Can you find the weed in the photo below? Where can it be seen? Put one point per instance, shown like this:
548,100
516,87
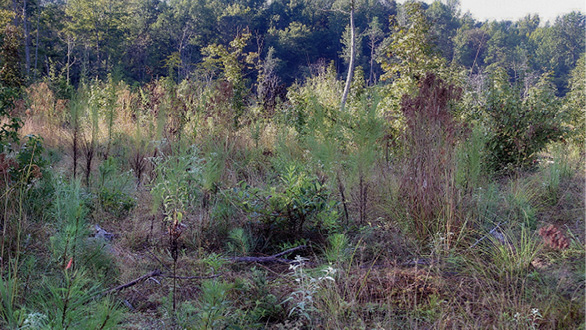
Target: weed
303,298
337,249
429,194
214,307
239,242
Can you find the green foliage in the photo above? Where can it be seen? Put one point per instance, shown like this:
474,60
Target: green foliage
470,159
520,204
114,193
302,300
10,124
177,184
12,316
11,75
408,54
511,260
30,158
520,127
69,209
337,250
575,103
239,242
265,305
315,104
555,172
232,61
300,204
213,306
71,302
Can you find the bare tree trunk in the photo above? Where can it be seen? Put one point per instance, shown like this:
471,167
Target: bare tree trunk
352,58
37,41
27,41
371,75
69,49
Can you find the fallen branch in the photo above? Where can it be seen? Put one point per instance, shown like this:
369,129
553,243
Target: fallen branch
270,259
154,273
133,282
191,277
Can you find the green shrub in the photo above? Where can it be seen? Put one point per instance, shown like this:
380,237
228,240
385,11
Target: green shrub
113,191
9,124
299,205
520,126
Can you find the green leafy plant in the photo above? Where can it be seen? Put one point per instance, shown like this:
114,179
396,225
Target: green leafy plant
72,302
176,186
69,209
12,315
10,124
337,250
302,203
113,189
520,127
303,298
213,305
239,242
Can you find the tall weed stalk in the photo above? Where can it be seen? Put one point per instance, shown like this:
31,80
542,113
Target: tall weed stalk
428,191
176,186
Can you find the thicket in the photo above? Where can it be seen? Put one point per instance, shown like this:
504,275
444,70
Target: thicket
443,197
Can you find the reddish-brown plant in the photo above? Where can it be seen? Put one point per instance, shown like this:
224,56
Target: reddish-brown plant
554,238
427,187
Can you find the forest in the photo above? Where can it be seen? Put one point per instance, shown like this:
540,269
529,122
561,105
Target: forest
290,164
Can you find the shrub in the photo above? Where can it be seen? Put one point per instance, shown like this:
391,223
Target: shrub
113,192
301,204
520,127
9,124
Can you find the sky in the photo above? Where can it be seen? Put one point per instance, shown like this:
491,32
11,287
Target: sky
516,9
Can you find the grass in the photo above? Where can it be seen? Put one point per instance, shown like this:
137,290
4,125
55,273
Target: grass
489,269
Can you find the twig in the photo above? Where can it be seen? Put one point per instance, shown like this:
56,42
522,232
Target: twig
289,251
154,273
191,277
157,259
133,282
276,273
270,259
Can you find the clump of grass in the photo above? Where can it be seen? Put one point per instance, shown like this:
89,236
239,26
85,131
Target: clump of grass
555,172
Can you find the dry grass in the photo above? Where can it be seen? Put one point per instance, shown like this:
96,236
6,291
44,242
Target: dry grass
514,284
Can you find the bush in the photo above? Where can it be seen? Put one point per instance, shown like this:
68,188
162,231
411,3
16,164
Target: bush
300,205
520,126
9,124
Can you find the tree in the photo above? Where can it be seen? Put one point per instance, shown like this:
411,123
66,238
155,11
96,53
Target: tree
409,53
232,61
445,23
558,47
374,34
575,103
99,24
352,57
470,47
10,58
519,126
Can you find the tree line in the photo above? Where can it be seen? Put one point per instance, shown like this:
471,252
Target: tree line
139,40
